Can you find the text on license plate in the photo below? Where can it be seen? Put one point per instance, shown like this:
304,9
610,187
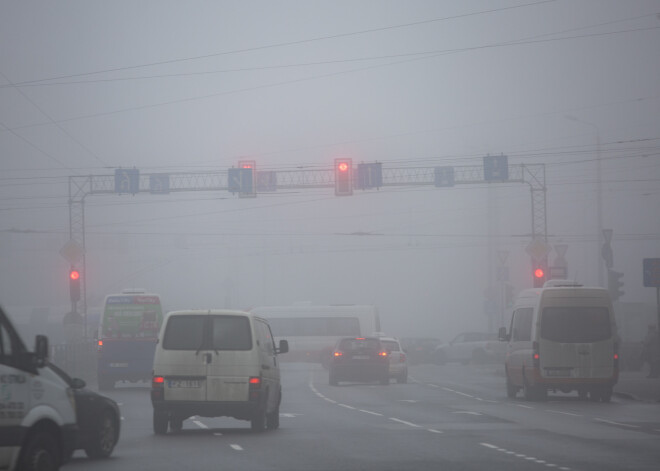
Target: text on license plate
184,383
118,365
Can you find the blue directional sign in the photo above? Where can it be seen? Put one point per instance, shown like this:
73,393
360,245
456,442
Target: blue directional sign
127,180
159,183
239,180
652,272
496,168
369,175
444,176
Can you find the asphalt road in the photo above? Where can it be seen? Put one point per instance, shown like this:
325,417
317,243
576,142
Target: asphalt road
447,417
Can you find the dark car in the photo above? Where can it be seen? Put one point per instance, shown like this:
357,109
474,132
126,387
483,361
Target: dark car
360,359
97,417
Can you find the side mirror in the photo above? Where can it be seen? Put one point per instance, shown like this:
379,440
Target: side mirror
41,350
284,346
502,335
77,383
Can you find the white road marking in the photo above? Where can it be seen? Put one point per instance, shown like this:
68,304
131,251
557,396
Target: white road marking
432,430
370,412
412,401
562,412
524,407
199,424
410,424
469,412
217,434
236,447
346,406
616,423
524,457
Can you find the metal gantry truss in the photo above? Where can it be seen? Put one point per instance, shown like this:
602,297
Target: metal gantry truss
82,186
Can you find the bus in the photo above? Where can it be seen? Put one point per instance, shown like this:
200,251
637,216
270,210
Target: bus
128,333
313,330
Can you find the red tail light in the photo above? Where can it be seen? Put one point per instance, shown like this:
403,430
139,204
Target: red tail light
100,344
157,382
254,389
536,356
403,357
337,354
382,353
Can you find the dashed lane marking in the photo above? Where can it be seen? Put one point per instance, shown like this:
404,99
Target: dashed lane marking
236,447
611,422
410,424
525,457
370,412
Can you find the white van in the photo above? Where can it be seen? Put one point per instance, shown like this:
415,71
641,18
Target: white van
215,363
37,407
562,337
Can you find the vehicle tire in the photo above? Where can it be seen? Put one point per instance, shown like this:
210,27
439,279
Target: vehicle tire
594,395
104,436
176,424
106,384
583,394
606,395
385,379
40,453
258,422
161,421
273,419
511,390
531,393
403,378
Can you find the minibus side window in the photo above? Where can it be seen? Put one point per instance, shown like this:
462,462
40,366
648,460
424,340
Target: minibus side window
522,324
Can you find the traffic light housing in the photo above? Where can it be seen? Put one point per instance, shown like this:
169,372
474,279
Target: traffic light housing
539,276
343,177
74,285
614,284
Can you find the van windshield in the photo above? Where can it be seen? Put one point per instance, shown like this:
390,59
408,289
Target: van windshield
575,324
207,333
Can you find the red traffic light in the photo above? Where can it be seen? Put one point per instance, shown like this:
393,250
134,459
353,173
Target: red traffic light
343,166
74,275
539,273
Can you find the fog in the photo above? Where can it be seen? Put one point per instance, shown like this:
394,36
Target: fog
164,87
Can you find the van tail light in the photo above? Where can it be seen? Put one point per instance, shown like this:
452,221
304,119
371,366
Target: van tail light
616,355
382,353
100,344
254,388
536,357
157,388
402,357
337,353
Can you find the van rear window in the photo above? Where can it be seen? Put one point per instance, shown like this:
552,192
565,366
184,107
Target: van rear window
575,324
207,333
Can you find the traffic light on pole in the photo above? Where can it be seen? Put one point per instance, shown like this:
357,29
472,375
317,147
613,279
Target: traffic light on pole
74,285
343,177
614,284
539,276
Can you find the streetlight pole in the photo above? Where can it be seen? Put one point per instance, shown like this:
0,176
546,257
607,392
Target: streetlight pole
599,200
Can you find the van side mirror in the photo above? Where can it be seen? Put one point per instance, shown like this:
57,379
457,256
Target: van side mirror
284,346
41,350
77,383
502,335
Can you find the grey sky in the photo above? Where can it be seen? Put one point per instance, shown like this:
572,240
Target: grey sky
89,86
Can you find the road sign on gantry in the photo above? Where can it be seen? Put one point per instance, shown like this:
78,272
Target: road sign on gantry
651,272
496,168
444,176
127,180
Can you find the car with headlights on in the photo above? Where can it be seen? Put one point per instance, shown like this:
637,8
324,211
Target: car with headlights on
359,359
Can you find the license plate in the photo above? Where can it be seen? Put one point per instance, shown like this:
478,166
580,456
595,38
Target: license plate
361,357
184,383
118,365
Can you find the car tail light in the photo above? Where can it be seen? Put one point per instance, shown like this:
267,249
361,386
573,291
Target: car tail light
100,344
382,353
536,356
403,357
254,388
157,388
337,353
